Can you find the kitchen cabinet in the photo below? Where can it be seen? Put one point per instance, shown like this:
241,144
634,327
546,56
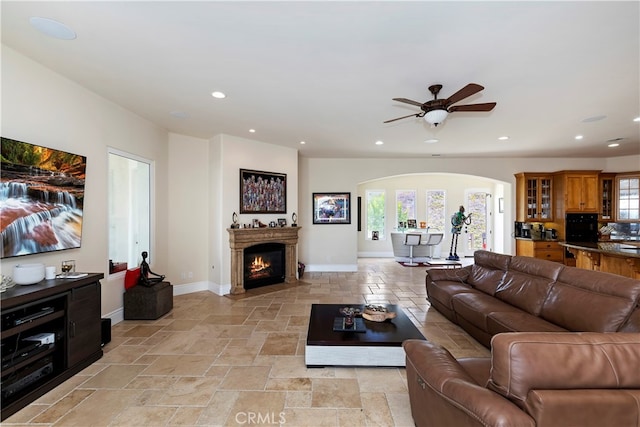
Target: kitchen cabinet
607,197
534,197
577,191
542,249
50,331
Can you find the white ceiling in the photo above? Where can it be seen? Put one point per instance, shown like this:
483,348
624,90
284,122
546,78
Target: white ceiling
326,72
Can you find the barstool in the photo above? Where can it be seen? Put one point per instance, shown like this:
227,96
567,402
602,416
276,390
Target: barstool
433,239
412,240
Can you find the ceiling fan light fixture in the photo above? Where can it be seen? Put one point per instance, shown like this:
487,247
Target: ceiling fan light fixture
436,117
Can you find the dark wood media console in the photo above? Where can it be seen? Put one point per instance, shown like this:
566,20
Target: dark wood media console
50,332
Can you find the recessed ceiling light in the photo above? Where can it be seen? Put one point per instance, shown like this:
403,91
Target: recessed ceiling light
52,28
302,142
615,144
179,114
431,141
503,138
579,137
379,143
637,119
218,95
252,130
594,119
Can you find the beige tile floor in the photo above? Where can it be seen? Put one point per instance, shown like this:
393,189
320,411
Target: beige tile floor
218,361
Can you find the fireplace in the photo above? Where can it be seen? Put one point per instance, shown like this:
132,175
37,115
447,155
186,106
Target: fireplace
264,265
244,238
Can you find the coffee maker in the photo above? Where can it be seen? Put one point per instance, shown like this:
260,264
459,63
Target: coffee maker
522,229
517,229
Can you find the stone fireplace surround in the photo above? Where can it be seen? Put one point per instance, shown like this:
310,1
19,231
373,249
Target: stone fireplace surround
241,238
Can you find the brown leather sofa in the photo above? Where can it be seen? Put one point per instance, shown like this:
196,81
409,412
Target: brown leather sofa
531,379
502,293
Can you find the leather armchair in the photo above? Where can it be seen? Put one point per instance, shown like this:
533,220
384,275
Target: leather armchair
531,379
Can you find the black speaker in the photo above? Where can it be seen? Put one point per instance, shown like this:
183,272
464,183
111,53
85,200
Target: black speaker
106,331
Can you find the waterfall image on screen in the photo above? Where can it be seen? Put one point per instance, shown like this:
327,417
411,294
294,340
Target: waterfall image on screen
41,199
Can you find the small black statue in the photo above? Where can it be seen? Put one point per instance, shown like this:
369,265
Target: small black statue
145,271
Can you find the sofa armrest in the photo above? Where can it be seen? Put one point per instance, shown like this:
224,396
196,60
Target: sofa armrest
525,361
584,407
442,393
452,274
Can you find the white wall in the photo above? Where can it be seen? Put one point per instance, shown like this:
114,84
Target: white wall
41,107
189,216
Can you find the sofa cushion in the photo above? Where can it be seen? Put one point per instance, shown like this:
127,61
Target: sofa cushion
443,290
526,361
527,283
488,270
500,321
610,299
476,307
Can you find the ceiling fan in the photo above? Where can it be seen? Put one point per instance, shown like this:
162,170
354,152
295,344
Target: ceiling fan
436,110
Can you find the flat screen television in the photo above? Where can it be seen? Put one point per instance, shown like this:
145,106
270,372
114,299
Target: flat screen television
41,199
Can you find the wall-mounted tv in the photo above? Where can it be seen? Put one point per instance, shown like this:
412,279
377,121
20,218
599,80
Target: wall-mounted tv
41,199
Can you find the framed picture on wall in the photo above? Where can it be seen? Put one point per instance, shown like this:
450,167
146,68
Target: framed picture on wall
262,192
332,208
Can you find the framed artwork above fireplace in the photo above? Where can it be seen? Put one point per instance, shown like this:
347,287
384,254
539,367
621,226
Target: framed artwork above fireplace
262,192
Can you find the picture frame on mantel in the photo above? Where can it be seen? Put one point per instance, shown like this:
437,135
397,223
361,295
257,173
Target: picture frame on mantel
332,208
262,192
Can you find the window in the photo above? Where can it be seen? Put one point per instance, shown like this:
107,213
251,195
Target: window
375,213
405,205
628,198
436,212
477,229
129,210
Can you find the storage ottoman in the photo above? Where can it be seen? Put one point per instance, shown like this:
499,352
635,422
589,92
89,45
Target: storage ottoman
148,303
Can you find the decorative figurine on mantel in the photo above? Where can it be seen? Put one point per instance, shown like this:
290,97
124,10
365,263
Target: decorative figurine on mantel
145,271
294,220
234,218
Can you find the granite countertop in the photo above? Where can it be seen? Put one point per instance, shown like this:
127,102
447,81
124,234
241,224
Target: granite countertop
610,248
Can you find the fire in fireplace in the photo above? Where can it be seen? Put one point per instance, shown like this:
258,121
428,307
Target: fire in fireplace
264,264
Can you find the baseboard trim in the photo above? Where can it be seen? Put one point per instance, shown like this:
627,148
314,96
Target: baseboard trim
375,254
325,268
116,316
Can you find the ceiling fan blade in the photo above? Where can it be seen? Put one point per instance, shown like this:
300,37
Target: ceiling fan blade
404,117
473,107
468,90
408,101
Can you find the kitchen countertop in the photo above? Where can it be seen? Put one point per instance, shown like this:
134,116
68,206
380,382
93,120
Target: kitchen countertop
625,250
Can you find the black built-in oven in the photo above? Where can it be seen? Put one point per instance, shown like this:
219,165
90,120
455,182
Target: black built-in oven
581,227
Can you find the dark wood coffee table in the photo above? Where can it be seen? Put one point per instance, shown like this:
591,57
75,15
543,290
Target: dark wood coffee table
379,345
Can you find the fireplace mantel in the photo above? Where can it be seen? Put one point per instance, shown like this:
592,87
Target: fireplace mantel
241,238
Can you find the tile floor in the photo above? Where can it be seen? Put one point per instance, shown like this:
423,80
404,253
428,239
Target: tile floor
218,361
